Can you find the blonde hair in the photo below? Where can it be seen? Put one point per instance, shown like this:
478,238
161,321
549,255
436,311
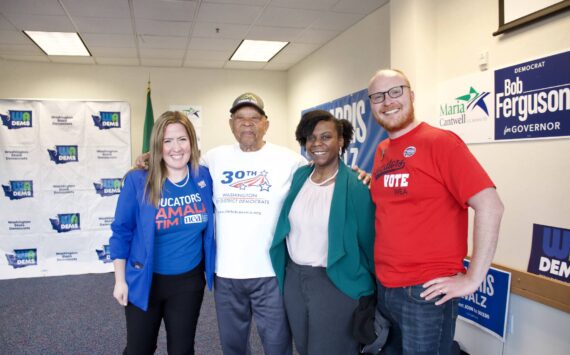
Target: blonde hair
157,173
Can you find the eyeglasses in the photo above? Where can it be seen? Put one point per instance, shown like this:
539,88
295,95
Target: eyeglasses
380,96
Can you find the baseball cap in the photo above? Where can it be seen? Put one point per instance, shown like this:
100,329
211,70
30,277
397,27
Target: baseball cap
248,99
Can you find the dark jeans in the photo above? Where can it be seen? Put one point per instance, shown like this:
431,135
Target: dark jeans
177,300
419,327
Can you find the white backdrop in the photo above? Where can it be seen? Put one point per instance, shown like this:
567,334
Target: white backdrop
61,165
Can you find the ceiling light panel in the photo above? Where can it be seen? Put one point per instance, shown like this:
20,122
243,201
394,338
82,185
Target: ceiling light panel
59,43
257,51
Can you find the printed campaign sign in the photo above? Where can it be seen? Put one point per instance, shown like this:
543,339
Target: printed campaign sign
466,107
355,107
550,252
487,307
61,166
532,99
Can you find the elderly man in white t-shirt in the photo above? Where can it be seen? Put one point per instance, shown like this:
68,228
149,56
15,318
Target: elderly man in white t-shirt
251,179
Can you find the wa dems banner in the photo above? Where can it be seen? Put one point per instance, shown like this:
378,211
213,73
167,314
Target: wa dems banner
488,307
367,133
532,99
550,253
61,166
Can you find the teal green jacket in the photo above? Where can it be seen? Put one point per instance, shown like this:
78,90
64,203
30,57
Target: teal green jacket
351,233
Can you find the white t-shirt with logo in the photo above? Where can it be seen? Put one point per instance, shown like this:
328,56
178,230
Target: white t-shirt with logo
249,190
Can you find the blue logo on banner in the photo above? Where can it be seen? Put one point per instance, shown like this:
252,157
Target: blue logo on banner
19,189
367,133
107,120
487,307
66,222
64,154
108,187
532,99
17,119
550,253
104,254
22,258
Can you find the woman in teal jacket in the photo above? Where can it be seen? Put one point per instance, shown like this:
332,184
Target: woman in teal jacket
163,240
322,251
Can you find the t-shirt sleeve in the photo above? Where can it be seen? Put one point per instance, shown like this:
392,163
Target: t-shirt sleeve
462,174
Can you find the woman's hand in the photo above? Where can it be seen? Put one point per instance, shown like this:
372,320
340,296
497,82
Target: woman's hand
121,290
121,293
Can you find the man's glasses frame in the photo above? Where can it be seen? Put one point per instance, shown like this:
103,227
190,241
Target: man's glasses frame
380,96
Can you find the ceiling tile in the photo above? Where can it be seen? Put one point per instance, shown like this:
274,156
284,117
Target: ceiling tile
214,44
25,58
165,28
205,64
103,25
162,53
13,37
25,49
148,41
164,10
317,36
71,59
359,7
228,13
108,40
227,30
294,52
117,61
245,65
282,17
336,21
5,25
266,33
241,2
98,8
42,23
153,62
124,52
31,7
304,4
200,55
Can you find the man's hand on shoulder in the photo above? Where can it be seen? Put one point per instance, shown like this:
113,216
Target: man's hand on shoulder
141,161
363,175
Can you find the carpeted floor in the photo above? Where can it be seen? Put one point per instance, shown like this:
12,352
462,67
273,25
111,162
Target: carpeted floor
78,315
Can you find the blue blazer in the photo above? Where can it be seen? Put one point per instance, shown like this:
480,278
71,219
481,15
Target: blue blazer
133,233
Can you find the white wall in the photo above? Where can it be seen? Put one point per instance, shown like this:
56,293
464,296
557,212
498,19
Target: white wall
433,41
214,90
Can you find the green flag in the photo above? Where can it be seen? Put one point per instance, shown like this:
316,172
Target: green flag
148,122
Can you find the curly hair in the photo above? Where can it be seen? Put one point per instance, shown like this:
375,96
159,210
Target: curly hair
309,121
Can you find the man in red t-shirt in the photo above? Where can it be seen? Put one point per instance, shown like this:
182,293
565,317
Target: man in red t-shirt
424,180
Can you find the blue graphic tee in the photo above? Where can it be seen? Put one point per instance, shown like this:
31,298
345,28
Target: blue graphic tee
180,220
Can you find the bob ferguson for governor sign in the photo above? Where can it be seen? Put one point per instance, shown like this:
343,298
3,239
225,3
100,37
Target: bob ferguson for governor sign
532,99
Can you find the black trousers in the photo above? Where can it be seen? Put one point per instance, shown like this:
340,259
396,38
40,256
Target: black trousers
176,299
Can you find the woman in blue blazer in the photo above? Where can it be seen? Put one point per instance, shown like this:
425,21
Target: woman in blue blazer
163,240
323,244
